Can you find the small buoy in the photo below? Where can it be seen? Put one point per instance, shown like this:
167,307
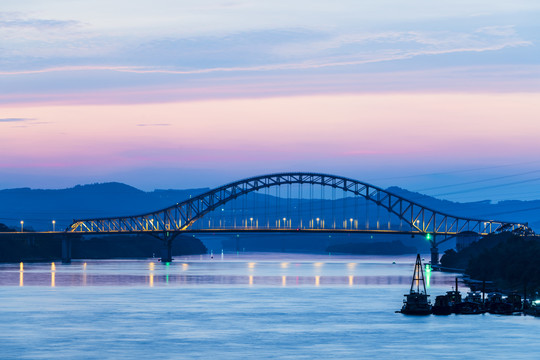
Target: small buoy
393,263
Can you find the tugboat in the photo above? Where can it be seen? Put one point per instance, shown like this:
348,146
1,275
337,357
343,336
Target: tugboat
446,304
472,304
532,308
416,301
498,305
442,305
514,299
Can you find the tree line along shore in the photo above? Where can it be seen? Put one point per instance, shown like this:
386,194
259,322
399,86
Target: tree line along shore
48,247
509,261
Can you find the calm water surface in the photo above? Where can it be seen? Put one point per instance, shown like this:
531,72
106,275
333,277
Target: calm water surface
248,306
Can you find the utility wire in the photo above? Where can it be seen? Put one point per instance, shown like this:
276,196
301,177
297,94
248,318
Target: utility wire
489,187
478,181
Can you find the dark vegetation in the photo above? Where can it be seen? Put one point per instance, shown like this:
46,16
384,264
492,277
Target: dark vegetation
323,243
28,246
133,246
372,248
511,261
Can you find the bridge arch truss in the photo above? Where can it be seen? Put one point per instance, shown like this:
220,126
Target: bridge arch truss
183,215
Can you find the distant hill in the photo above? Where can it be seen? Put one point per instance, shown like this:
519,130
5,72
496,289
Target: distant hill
510,210
37,208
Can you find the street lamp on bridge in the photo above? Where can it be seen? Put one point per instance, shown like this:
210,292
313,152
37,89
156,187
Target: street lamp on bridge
22,224
53,223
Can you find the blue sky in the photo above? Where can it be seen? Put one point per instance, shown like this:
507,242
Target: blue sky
121,90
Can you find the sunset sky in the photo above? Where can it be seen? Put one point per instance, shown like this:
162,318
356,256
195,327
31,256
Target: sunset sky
438,97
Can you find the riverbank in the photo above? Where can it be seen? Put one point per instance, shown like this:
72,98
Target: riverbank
509,261
35,247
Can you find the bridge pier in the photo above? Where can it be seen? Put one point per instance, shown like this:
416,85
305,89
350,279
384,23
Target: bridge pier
167,257
66,250
434,254
168,240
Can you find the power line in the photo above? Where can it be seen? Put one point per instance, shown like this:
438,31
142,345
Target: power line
489,187
478,181
457,171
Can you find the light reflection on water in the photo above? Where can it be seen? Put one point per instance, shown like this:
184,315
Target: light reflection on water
248,307
251,269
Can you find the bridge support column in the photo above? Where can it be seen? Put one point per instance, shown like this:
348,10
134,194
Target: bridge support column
66,250
168,240
434,254
167,256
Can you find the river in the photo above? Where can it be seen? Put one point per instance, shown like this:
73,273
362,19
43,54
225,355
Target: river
246,306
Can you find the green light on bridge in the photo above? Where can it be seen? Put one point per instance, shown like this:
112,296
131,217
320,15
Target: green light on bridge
429,237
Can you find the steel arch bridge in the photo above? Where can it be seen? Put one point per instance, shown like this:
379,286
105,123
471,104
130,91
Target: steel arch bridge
183,216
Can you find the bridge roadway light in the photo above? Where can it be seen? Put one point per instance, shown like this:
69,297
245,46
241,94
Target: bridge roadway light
251,222
22,224
351,222
317,222
284,222
53,223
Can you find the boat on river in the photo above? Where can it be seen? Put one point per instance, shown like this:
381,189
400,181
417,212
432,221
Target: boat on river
417,300
532,308
497,304
472,304
446,304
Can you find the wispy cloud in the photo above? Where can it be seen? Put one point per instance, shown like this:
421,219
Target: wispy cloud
40,24
390,55
18,21
15,120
